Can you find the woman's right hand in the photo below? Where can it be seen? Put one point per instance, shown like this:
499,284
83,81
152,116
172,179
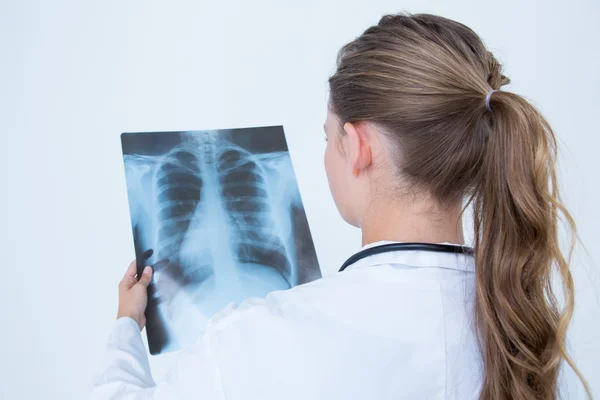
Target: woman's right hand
133,294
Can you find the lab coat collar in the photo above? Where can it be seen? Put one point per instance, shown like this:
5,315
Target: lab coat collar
416,258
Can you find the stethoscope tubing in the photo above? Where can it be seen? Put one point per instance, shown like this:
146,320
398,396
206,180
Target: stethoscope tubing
390,247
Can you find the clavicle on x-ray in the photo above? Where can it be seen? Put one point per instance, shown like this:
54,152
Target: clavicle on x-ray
220,216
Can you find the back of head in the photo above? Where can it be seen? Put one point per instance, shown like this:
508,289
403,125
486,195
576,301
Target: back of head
429,83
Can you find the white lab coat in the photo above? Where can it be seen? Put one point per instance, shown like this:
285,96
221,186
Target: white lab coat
395,325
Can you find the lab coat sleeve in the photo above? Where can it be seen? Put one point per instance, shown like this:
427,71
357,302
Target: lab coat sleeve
125,371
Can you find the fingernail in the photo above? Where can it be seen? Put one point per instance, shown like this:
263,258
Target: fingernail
147,270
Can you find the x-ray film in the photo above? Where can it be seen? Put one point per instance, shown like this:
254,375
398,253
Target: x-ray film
219,216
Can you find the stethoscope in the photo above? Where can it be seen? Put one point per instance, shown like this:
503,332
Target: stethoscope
385,248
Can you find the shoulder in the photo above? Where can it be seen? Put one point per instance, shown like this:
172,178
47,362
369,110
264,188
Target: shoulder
278,304
352,296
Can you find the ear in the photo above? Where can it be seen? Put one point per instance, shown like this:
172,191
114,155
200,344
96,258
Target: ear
359,149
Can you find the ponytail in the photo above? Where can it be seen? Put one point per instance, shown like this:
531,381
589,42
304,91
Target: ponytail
517,208
424,79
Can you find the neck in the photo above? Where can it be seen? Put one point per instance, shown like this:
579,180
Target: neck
418,221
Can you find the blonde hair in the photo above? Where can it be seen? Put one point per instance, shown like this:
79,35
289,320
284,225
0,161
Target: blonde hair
425,79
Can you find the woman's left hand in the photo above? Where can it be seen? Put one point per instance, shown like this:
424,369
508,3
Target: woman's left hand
133,294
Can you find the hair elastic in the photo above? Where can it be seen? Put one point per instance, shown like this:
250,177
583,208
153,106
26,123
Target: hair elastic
487,99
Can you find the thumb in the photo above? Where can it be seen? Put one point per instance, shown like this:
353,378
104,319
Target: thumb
146,277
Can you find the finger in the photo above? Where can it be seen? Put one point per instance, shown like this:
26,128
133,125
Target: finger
161,264
131,270
146,277
129,278
147,254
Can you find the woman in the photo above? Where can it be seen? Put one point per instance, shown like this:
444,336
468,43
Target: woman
416,125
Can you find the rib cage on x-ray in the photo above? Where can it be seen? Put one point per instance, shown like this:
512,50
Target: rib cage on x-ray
223,224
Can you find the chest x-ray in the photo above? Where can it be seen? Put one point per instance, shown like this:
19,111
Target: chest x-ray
219,216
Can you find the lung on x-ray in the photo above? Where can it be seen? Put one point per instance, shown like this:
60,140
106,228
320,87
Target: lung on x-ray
219,216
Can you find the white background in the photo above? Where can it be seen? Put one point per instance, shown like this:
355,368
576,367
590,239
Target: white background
75,74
